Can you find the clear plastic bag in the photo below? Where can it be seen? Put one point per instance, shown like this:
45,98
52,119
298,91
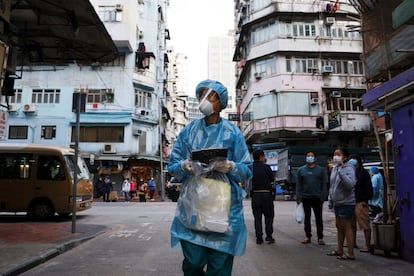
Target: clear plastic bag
299,213
206,199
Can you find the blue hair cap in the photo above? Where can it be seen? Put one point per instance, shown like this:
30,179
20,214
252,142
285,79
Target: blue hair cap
218,87
374,169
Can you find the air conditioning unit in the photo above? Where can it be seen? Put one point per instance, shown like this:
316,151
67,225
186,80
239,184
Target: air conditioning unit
119,7
336,94
142,112
314,101
312,70
329,20
258,75
29,108
137,132
12,108
109,148
327,69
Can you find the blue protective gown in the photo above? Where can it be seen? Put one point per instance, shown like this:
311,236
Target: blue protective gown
198,135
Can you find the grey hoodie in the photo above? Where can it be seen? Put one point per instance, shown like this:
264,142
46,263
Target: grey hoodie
342,189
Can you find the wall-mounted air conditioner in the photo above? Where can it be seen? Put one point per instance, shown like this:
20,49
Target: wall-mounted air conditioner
12,108
136,132
336,94
329,20
258,75
142,112
29,108
312,70
314,101
109,148
327,69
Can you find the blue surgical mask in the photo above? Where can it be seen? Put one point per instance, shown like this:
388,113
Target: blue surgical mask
353,162
310,159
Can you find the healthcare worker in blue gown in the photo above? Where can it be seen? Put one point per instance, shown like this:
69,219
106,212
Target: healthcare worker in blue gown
211,253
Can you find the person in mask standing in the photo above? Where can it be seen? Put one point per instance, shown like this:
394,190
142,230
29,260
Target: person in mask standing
363,193
311,191
262,198
342,200
211,253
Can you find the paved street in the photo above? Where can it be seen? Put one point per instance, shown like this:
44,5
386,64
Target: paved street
136,242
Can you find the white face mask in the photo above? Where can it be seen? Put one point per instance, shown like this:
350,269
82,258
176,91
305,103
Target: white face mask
205,106
337,160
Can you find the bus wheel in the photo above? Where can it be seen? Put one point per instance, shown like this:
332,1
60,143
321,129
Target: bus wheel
41,210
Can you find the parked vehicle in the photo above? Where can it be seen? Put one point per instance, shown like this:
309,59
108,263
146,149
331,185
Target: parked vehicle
39,179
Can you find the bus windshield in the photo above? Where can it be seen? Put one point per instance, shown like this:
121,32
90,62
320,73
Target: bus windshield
83,172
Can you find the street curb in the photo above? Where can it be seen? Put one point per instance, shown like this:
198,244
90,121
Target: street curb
49,254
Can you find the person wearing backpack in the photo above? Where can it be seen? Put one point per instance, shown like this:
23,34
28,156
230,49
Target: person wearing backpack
363,193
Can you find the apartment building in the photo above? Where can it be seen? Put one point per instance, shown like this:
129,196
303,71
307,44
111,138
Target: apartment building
221,67
300,78
123,115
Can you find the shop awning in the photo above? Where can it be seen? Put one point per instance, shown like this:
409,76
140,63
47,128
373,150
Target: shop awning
395,92
107,119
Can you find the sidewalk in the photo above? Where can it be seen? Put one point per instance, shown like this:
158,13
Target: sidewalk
24,245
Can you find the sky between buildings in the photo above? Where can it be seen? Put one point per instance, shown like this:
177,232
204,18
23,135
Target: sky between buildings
191,22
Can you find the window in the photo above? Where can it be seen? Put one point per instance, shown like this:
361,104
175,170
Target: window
301,29
288,65
264,33
347,101
100,96
352,67
101,134
48,132
305,65
293,103
18,132
266,67
46,96
15,166
50,168
16,99
110,13
143,99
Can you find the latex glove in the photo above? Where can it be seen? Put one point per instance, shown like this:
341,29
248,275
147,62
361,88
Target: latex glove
187,166
224,166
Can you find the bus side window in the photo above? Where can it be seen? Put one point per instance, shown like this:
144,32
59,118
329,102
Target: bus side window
14,167
50,168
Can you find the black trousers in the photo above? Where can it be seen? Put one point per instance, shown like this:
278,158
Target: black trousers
314,204
262,205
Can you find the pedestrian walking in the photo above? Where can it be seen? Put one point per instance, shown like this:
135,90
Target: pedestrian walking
142,191
107,188
151,185
209,245
311,191
262,197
